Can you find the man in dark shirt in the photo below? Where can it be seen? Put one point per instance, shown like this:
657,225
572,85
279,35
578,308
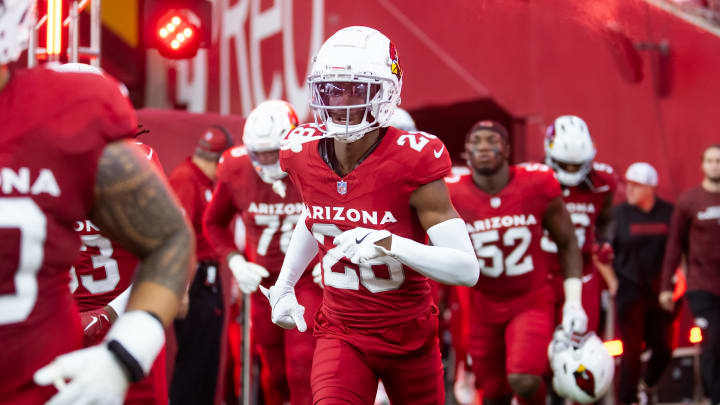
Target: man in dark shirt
640,235
199,335
695,233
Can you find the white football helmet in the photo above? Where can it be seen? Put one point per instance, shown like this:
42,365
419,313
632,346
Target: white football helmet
15,26
360,62
265,127
568,141
402,119
583,369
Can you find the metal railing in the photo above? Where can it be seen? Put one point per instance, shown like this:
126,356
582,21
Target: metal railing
72,22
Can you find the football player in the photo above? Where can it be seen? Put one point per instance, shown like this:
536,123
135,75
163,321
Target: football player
65,157
372,194
101,278
100,281
587,189
250,183
512,306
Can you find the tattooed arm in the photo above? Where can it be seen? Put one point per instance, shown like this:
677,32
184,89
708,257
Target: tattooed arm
135,207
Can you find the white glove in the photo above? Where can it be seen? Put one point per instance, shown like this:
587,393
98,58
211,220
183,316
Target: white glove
317,274
286,312
574,319
96,378
464,387
358,244
96,375
247,274
561,341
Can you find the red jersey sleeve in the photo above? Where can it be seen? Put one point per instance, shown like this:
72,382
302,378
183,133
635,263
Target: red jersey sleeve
295,148
216,220
547,182
606,176
434,161
221,209
151,155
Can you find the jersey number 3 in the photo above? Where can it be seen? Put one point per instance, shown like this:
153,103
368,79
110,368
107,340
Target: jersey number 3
103,260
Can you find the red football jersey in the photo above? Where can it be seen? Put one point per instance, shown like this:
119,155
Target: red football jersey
506,228
104,269
54,128
374,195
269,218
584,203
194,190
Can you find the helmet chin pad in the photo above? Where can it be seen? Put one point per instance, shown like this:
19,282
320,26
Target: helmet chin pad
269,173
566,178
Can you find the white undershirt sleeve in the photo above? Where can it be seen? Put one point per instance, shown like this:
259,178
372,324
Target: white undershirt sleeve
302,249
119,303
451,260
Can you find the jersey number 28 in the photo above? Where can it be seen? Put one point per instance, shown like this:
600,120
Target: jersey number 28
349,279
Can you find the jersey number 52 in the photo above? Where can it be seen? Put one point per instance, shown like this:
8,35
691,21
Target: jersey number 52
515,264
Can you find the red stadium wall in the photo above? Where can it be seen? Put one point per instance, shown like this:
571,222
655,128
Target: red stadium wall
521,61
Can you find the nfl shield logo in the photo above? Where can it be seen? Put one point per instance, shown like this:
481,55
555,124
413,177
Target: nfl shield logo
342,187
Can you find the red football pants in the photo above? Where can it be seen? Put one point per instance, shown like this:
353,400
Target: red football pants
286,355
348,363
153,389
510,337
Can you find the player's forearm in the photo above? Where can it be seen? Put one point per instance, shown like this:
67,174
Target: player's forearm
302,249
570,258
451,259
605,231
221,240
605,222
164,273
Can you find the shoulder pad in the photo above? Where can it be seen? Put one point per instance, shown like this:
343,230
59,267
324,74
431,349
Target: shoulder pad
298,137
457,173
603,167
533,167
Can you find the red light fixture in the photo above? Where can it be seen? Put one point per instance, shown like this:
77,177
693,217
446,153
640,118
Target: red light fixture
175,34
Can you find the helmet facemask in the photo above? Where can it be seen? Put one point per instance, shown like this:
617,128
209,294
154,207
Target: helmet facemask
366,98
264,129
268,172
569,178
